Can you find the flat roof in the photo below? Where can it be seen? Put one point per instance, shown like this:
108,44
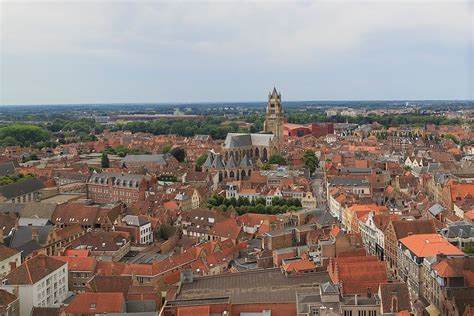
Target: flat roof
252,287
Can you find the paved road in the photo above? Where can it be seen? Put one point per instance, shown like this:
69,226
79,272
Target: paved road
319,189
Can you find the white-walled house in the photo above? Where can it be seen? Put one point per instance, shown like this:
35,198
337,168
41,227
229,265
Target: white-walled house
372,236
145,232
41,282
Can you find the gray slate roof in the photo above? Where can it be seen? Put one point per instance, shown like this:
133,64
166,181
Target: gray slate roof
160,159
7,168
231,162
436,209
39,210
20,188
236,140
209,160
119,179
460,229
134,220
245,162
346,182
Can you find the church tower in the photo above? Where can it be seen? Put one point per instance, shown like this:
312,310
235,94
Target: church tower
274,119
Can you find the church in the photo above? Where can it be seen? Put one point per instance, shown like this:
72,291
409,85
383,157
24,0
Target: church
241,150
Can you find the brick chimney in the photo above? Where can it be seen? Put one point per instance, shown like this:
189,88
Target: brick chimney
12,265
34,234
394,307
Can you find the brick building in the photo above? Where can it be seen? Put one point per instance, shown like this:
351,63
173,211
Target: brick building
113,187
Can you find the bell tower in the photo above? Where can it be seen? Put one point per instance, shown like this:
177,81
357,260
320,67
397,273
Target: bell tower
274,119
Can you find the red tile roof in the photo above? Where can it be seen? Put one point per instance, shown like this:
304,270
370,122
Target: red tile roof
96,303
83,264
427,245
194,311
33,270
76,253
357,274
299,266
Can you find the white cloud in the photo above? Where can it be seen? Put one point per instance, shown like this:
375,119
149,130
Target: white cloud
273,32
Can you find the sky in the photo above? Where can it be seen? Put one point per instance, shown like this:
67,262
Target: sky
216,51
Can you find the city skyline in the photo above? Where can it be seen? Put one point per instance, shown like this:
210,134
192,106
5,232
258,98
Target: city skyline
80,53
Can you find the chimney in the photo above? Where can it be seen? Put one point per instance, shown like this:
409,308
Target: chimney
356,300
369,291
12,265
352,239
394,307
34,234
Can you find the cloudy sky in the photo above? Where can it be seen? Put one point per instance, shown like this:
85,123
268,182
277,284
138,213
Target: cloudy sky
189,51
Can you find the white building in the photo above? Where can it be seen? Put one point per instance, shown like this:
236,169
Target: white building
372,236
41,281
145,231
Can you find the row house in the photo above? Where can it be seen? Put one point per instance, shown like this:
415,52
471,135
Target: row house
398,229
46,239
459,234
372,227
351,215
359,187
412,251
338,199
88,215
442,272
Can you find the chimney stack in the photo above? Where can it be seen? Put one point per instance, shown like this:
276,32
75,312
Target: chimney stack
394,307
12,265
34,234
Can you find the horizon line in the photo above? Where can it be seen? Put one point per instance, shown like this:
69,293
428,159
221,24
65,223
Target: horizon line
229,102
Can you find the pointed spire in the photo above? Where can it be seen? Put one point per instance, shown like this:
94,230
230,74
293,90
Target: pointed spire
218,163
245,162
231,162
275,93
209,160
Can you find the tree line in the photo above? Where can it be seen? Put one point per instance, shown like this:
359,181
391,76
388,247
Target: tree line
259,205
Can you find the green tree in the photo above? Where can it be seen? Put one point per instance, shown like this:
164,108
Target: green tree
166,149
310,160
179,154
164,232
277,160
104,161
22,134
